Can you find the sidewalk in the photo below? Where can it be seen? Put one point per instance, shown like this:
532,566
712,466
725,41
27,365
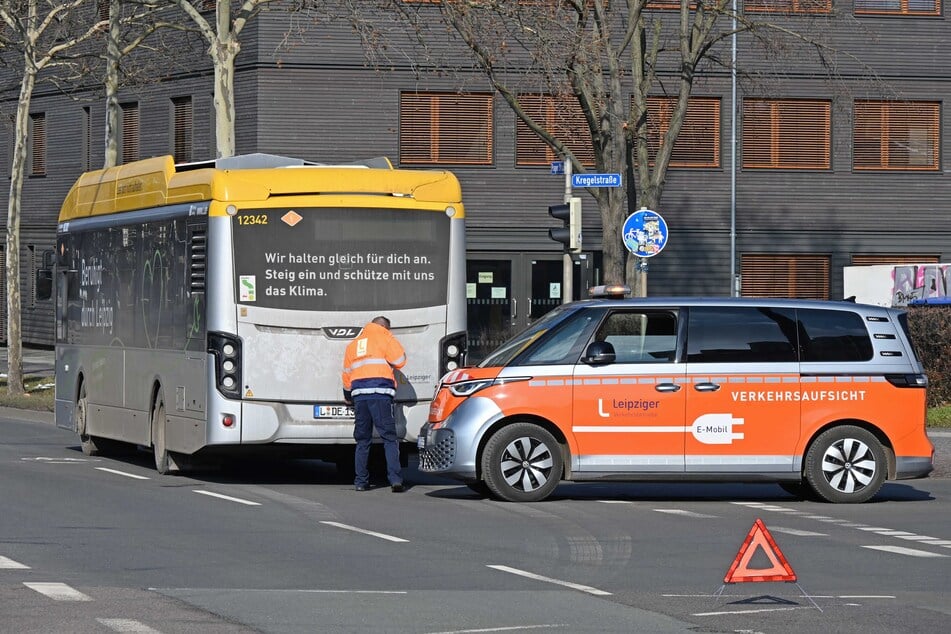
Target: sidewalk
36,361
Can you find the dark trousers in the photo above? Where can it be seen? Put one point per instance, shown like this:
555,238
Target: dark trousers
376,412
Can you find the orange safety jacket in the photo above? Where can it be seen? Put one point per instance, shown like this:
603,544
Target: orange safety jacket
369,361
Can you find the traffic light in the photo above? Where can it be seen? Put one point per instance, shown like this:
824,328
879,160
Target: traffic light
570,234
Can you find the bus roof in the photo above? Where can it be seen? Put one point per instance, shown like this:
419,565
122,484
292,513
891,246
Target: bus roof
157,181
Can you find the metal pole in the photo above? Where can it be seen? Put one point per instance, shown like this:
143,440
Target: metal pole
567,273
734,291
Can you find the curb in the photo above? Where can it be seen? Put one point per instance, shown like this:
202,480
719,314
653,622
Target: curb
37,416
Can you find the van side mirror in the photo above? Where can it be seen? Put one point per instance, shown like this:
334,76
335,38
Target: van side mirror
599,353
44,278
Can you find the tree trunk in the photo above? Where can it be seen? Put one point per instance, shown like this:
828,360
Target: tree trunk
111,133
223,54
17,171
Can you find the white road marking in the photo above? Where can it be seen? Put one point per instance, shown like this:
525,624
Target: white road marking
8,564
615,501
684,513
901,550
920,538
796,531
567,584
59,460
514,628
57,591
802,596
226,497
750,611
134,476
389,538
127,626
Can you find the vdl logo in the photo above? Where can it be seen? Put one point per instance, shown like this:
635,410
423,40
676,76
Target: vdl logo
342,332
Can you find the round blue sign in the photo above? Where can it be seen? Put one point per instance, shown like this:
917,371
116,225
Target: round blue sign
645,233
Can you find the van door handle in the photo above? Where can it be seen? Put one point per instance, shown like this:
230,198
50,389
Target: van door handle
707,387
667,387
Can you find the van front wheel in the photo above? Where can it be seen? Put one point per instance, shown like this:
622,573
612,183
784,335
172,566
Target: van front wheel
522,463
846,464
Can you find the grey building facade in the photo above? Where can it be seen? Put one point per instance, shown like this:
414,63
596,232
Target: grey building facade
794,222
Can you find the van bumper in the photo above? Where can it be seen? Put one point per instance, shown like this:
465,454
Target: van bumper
910,467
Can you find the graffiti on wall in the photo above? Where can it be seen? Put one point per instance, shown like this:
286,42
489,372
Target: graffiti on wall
920,281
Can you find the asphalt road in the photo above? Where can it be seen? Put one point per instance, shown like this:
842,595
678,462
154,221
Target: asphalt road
90,544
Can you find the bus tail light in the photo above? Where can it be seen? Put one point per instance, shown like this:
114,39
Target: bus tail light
227,352
227,420
452,353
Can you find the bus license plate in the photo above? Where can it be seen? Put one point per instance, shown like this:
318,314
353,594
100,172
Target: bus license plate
333,411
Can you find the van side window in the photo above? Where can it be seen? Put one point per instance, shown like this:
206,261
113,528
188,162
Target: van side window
741,334
641,337
833,335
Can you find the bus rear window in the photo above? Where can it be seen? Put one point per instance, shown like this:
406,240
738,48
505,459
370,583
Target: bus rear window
341,259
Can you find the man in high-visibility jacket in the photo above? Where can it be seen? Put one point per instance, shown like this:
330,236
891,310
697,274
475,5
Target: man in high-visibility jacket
369,384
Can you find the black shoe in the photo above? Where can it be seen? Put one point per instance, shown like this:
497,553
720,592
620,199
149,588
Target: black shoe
361,487
397,488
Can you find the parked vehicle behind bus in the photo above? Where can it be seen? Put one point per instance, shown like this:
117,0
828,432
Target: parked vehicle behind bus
203,308
825,398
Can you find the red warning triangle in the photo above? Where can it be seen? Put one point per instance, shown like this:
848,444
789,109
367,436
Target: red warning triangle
759,537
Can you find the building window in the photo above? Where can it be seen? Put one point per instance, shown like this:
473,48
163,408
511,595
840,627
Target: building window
182,129
130,132
787,6
698,144
38,144
897,7
668,5
446,128
562,117
787,134
795,276
87,139
896,135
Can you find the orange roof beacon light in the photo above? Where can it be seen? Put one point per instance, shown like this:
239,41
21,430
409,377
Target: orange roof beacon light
610,291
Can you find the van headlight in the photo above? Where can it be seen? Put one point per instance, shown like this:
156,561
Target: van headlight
468,388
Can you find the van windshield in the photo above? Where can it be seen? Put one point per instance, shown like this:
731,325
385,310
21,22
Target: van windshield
511,348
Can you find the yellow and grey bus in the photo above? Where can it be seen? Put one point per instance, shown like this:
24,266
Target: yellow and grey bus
203,308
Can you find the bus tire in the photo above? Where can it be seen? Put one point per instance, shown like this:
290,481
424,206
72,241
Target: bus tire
522,463
846,465
90,444
164,463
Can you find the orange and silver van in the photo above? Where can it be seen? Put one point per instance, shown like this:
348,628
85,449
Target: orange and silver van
825,398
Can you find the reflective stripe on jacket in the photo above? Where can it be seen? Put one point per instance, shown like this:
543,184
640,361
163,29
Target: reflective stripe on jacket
369,361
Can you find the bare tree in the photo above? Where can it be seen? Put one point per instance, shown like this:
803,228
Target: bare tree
605,56
44,34
130,25
224,44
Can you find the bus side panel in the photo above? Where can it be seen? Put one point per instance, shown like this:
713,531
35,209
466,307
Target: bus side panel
134,320
456,292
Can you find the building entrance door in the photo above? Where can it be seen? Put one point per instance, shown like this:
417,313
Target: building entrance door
505,292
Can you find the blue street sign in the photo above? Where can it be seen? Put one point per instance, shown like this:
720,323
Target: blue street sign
644,233
595,180
557,167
